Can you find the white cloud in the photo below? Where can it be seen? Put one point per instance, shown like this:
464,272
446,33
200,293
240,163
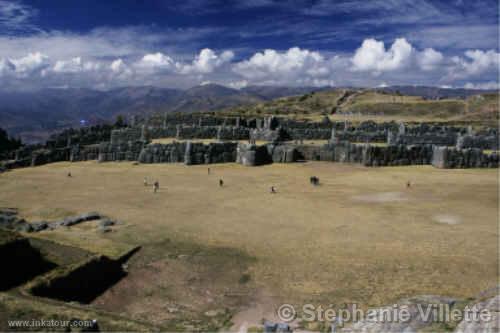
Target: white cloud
6,67
238,84
58,59
290,67
75,65
117,66
156,61
372,56
482,85
477,62
31,63
429,59
205,62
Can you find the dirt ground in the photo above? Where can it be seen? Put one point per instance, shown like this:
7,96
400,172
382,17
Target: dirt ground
360,236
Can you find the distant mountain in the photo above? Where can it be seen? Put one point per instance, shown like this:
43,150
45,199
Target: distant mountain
34,115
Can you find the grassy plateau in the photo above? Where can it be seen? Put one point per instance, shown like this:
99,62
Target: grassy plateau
210,252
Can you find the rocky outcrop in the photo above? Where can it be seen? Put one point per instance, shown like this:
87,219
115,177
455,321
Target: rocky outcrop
382,318
491,307
9,220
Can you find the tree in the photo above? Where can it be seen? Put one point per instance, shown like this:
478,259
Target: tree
120,121
7,143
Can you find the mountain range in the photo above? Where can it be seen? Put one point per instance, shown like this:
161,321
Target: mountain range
34,115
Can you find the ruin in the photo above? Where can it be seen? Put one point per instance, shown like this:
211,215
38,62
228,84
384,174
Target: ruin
368,143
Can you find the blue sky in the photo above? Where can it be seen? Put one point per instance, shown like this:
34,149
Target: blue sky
178,44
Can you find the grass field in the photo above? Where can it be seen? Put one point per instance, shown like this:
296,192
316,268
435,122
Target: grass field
361,236
362,105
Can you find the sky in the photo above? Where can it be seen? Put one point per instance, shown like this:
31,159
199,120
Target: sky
179,44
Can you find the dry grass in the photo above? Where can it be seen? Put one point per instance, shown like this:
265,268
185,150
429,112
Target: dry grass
310,243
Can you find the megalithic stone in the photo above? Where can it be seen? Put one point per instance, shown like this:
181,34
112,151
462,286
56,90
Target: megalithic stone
391,138
460,141
165,120
219,130
187,154
401,129
178,131
143,133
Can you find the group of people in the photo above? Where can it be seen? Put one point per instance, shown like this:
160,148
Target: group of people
156,184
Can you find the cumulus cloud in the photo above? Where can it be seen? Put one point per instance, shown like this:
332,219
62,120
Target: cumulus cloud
429,59
30,64
286,67
117,66
156,61
6,67
205,62
400,63
476,62
373,57
75,65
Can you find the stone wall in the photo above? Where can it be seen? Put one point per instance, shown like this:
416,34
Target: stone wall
163,153
196,132
109,152
186,132
84,153
477,141
252,155
125,135
44,156
308,134
220,152
445,157
343,152
448,139
233,133
81,136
